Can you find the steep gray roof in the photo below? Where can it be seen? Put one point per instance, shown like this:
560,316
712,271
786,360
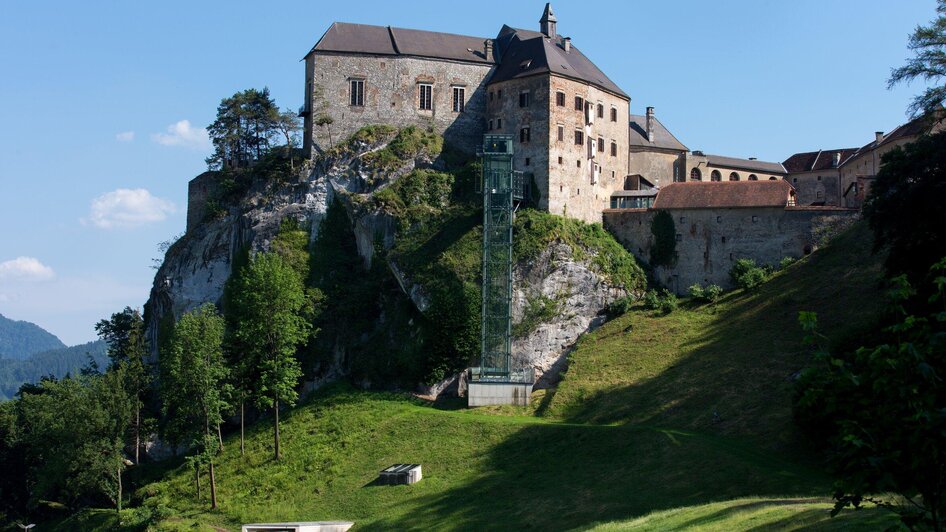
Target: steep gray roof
386,40
745,164
663,138
525,53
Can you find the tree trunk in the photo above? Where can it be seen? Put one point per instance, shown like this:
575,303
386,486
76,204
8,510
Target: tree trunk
213,487
219,436
137,429
276,426
118,500
242,448
197,476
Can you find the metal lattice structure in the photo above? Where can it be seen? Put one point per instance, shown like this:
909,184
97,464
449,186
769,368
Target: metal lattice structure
501,187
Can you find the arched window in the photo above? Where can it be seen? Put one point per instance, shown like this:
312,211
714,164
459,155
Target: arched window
773,178
716,176
753,177
695,175
734,176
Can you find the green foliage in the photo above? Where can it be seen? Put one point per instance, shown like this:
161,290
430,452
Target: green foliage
535,230
927,42
621,306
662,300
272,300
786,262
904,208
539,309
418,197
242,130
881,410
73,434
409,142
709,294
193,378
664,250
746,275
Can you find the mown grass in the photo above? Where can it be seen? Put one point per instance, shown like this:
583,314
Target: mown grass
662,422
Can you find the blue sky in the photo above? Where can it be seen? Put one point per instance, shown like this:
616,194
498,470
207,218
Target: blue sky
103,105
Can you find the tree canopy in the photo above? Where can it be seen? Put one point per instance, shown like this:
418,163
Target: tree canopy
928,44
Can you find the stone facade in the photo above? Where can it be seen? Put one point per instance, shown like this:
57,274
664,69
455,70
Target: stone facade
658,166
710,240
199,191
818,187
700,167
391,96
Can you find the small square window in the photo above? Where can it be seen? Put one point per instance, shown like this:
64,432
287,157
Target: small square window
755,219
719,219
724,240
559,160
679,237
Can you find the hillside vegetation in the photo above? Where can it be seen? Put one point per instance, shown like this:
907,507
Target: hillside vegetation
20,339
55,362
628,441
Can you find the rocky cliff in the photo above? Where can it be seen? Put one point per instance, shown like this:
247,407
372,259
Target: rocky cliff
398,257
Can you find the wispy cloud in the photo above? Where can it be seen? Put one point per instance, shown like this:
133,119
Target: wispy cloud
183,134
125,136
127,208
25,269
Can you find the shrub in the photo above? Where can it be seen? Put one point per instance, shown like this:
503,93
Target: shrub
620,306
710,294
786,262
747,275
664,301
664,250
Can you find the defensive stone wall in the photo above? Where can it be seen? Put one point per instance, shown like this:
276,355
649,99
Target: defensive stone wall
199,190
391,96
708,241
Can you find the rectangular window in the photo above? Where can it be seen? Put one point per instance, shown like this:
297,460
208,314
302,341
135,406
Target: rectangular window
560,99
614,114
559,160
491,93
524,135
561,133
490,125
579,163
524,99
614,149
528,161
579,103
308,95
499,123
600,111
499,94
358,92
459,99
426,91
579,138
600,144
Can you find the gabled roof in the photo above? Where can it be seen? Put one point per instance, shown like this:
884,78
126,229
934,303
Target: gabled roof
913,128
386,40
722,194
525,53
663,138
811,161
751,165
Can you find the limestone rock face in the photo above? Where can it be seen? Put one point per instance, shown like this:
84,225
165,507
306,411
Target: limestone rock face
197,267
581,295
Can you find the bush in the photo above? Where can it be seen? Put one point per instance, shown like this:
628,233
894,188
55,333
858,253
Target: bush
747,275
664,301
620,306
710,294
786,262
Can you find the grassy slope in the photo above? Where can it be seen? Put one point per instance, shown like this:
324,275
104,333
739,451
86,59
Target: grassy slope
629,432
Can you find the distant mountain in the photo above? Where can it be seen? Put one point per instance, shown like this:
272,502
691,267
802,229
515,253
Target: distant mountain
20,339
56,362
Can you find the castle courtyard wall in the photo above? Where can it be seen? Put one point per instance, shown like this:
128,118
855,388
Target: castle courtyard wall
709,241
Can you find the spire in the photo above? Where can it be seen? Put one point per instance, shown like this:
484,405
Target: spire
547,22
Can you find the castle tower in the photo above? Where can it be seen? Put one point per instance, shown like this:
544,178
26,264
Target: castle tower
547,22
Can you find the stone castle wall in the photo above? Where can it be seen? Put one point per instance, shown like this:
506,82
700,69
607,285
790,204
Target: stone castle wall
391,96
199,191
710,240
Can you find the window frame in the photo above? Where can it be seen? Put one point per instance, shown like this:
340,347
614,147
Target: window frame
561,133
600,144
579,138
579,103
459,104
614,114
600,111
614,149
695,174
560,98
525,99
356,98
525,134
428,104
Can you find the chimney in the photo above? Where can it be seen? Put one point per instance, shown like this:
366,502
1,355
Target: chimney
567,44
753,159
836,161
547,22
488,48
650,124
878,136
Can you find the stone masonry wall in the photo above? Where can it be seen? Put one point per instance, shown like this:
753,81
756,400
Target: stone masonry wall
391,96
816,186
710,240
658,167
199,190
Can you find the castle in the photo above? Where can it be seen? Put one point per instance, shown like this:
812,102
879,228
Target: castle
586,155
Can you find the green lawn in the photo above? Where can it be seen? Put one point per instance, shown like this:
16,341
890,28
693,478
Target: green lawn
629,440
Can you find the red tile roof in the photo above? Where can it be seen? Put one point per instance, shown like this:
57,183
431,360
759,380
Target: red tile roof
721,194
